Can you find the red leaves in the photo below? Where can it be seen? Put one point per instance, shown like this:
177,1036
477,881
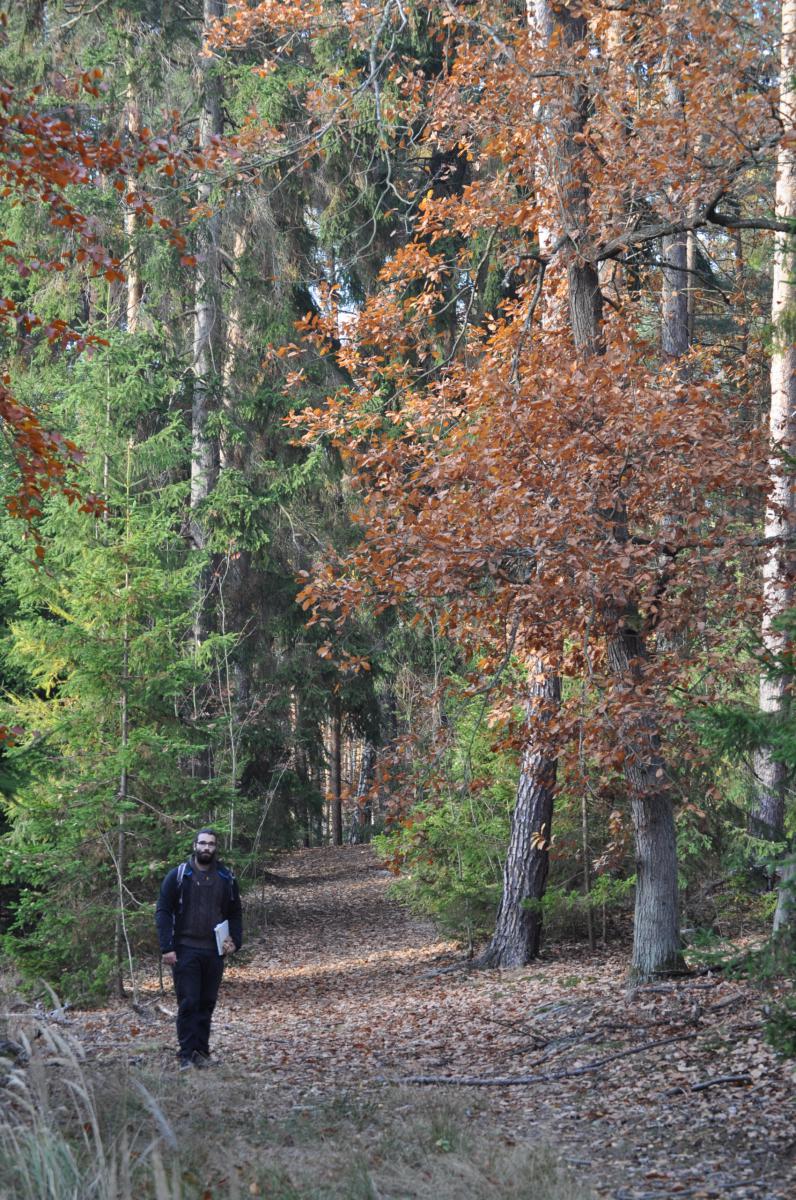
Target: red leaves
90,81
46,160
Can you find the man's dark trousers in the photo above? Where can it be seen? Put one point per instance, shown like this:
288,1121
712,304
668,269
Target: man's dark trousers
197,977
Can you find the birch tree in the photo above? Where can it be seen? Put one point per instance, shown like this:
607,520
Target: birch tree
780,522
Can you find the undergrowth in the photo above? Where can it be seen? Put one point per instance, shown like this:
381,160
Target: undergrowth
75,1130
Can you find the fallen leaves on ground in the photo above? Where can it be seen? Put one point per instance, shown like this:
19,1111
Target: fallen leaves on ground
344,989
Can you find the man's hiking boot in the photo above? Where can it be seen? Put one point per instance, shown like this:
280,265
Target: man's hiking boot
202,1061
184,1063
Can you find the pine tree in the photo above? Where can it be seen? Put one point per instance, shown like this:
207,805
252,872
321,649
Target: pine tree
101,639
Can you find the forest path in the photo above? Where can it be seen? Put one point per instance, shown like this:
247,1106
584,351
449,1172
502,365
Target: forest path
345,992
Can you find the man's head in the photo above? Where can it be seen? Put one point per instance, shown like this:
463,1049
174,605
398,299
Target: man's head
205,847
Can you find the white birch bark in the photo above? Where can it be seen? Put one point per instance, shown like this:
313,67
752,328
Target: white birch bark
781,509
768,813
134,285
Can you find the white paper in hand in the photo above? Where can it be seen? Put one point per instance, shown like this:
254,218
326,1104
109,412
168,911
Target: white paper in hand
222,933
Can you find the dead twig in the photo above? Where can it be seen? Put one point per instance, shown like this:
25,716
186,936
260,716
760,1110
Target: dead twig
731,1000
720,1080
519,1080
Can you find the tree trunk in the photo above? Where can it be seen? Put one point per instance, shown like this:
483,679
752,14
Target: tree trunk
518,928
231,450
585,850
207,315
657,946
691,264
656,940
674,260
121,943
768,811
336,771
674,296
206,372
119,940
516,939
785,915
134,285
363,813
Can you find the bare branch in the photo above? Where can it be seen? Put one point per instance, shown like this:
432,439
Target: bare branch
521,1080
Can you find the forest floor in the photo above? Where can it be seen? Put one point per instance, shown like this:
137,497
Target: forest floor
345,997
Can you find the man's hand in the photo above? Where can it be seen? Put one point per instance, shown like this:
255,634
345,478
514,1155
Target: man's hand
170,958
228,946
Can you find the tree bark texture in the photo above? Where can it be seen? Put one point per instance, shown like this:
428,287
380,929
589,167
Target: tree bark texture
363,812
518,927
237,579
585,308
205,368
656,941
231,450
768,810
123,791
336,772
785,915
674,261
134,284
657,946
207,299
674,296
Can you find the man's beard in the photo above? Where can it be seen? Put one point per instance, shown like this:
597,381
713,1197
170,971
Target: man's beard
205,857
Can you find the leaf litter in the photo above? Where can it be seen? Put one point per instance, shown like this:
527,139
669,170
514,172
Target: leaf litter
644,1092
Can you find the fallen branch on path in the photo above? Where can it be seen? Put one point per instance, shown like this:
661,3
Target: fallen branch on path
518,1080
718,1081
728,1003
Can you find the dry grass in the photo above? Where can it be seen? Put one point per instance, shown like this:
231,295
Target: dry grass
55,1143
72,1130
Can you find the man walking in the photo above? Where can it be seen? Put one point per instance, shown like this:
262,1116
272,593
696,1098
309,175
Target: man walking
195,897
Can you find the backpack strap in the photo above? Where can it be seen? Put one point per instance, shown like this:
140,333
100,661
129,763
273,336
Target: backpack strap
182,869
228,875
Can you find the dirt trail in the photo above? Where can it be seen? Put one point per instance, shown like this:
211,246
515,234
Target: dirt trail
347,991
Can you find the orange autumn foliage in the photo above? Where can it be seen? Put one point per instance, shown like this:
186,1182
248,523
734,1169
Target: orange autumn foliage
506,480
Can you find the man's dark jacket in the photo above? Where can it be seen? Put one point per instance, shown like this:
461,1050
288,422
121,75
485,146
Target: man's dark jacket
174,905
